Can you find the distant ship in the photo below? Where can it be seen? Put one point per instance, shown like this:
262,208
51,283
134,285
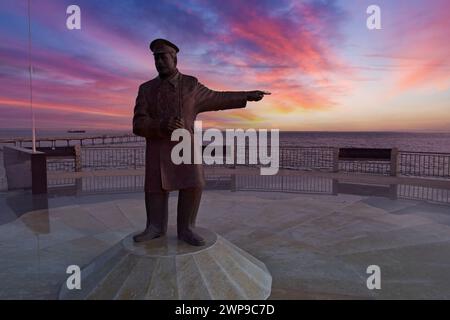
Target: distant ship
76,131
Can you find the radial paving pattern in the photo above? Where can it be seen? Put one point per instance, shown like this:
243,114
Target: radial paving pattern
166,268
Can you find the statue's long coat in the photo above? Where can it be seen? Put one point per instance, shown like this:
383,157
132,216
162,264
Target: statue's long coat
183,96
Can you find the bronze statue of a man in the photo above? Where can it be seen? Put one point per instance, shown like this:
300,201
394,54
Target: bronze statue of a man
168,102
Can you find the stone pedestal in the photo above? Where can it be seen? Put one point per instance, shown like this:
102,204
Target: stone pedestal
166,268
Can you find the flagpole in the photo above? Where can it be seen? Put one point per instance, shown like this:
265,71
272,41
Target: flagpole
30,67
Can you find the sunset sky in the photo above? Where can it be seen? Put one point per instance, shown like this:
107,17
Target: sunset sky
325,69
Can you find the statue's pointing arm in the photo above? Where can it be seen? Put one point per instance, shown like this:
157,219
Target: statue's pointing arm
210,100
143,124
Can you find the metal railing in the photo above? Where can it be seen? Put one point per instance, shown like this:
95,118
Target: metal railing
289,157
314,185
57,164
417,164
287,184
424,164
306,157
128,183
70,141
423,193
120,157
371,167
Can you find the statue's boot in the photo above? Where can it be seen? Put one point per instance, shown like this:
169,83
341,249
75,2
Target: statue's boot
188,204
156,205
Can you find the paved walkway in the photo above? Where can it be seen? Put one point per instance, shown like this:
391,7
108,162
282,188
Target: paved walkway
315,246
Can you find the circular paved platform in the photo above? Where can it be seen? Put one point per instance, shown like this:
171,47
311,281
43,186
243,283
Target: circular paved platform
166,268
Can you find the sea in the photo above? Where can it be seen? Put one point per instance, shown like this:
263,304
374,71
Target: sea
404,141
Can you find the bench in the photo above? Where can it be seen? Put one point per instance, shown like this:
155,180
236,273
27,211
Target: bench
378,155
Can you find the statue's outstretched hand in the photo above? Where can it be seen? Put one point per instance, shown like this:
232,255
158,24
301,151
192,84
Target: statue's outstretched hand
256,95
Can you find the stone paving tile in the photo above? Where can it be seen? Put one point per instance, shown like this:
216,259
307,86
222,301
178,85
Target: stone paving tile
377,241
408,272
389,205
109,214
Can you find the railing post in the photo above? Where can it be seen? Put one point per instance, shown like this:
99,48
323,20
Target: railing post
234,154
335,159
335,187
78,186
233,183
78,166
393,191
394,156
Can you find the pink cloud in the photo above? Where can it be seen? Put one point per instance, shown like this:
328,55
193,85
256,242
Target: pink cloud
420,50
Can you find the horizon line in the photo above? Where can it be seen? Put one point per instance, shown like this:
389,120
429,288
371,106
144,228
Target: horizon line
223,129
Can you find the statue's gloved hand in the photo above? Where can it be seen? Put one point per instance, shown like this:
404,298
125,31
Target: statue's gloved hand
171,124
256,95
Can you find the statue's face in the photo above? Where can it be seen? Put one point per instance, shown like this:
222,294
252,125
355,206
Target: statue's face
165,63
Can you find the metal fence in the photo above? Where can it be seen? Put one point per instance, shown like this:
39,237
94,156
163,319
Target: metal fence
71,141
101,158
286,184
424,164
126,183
314,185
423,193
58,164
307,157
417,164
372,167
